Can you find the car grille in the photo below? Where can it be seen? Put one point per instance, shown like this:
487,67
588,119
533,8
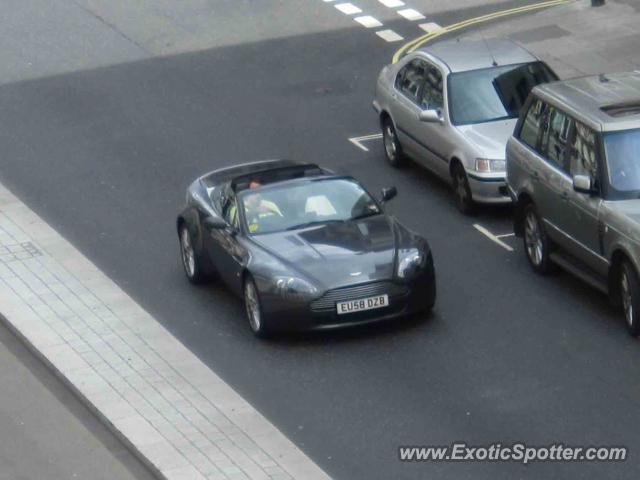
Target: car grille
327,303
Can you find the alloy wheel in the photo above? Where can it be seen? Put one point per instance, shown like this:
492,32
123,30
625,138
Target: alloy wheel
625,291
533,238
390,142
188,256
253,306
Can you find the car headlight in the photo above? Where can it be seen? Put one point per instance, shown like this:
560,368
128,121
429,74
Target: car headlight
294,288
488,165
410,262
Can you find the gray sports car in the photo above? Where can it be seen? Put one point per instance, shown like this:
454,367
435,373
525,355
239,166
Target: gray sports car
305,248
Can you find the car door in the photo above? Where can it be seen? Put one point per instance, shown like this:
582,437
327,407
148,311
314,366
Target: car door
555,182
406,107
582,219
435,138
225,251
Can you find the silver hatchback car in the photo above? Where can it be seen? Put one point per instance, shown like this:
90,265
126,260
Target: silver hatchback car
573,168
452,107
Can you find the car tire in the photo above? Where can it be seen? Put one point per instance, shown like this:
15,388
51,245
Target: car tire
392,148
253,309
630,297
192,268
537,244
462,191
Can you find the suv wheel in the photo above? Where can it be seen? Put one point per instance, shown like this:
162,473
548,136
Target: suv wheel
630,296
462,191
392,147
536,242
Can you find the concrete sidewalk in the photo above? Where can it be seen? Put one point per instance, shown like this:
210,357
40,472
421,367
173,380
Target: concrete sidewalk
176,414
578,39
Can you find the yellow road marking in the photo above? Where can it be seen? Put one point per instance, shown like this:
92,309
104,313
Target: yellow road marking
423,39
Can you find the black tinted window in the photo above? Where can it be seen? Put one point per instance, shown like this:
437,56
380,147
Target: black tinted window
529,133
411,78
555,133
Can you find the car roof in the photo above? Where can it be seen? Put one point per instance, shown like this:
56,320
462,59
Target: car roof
264,170
605,102
463,54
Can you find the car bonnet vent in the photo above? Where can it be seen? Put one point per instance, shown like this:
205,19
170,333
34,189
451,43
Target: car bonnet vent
625,109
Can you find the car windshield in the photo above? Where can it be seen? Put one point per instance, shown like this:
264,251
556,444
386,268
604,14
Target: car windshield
622,150
496,93
299,205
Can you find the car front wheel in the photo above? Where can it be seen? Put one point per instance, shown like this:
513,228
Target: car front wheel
253,309
630,296
536,242
392,147
462,191
192,269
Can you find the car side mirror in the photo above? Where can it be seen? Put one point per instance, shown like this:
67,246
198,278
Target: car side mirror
214,223
388,193
583,184
431,116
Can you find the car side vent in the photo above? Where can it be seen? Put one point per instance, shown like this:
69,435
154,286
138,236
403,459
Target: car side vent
625,109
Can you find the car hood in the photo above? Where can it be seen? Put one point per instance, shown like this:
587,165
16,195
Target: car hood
628,214
490,138
337,254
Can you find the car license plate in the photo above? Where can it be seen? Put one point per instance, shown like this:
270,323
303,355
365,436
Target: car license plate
362,304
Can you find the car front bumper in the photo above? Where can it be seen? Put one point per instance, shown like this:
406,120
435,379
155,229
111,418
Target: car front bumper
404,299
488,189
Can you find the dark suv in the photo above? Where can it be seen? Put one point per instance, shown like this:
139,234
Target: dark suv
573,169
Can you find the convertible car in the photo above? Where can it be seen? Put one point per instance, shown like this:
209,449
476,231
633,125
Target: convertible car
305,248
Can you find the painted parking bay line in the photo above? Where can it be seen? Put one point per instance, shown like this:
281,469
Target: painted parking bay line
358,141
493,238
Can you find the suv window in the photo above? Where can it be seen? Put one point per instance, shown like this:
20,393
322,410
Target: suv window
411,78
432,97
530,130
583,152
555,133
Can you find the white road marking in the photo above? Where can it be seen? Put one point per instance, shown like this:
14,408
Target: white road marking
348,8
357,141
431,27
411,14
505,235
389,35
391,3
368,21
492,237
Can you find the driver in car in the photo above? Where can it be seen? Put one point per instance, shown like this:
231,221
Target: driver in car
257,207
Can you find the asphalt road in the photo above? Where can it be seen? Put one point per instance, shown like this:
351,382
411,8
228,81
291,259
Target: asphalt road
105,154
45,432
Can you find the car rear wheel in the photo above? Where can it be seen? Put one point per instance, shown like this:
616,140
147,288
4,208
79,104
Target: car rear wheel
462,191
536,242
630,297
392,147
192,269
253,309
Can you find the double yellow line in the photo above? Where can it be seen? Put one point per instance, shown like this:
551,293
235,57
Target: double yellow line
420,41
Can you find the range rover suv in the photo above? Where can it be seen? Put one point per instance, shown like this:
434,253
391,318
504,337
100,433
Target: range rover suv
573,171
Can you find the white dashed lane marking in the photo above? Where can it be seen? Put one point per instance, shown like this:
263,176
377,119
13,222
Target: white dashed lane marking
368,21
358,141
411,14
348,8
430,27
389,36
391,3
